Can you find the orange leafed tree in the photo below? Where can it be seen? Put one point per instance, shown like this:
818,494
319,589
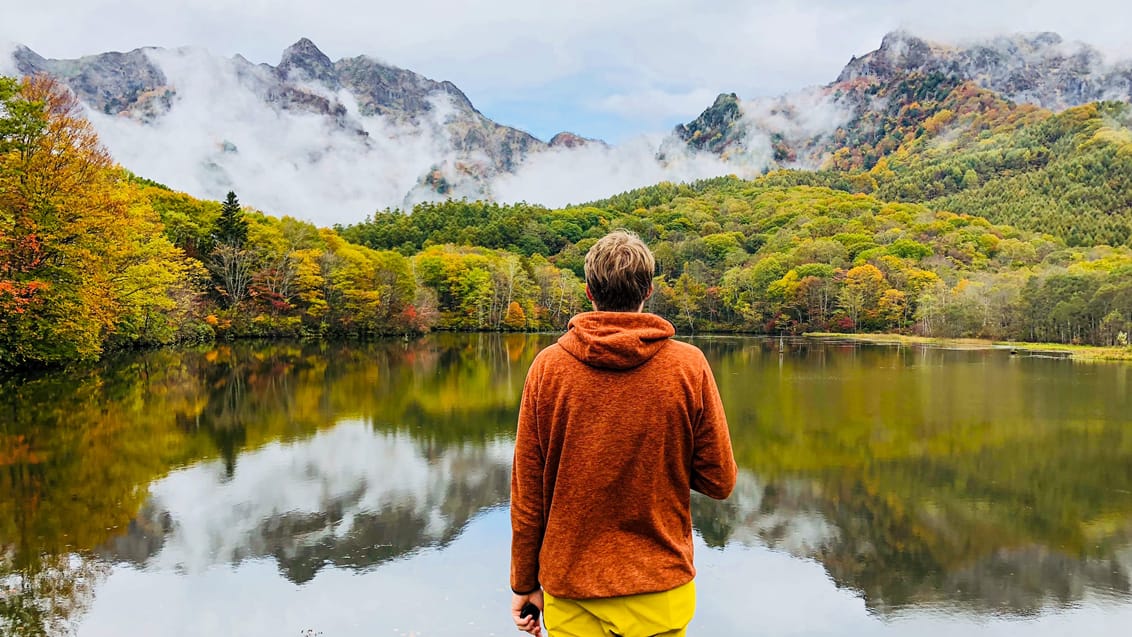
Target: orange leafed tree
71,236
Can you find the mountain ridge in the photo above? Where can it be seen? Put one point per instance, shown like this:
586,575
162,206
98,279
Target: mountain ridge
383,136
1055,74
117,83
380,133
870,97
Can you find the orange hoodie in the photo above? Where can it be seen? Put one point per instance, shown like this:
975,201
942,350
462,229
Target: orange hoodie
617,423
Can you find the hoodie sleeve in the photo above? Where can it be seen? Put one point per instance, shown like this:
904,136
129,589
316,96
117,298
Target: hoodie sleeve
527,523
713,463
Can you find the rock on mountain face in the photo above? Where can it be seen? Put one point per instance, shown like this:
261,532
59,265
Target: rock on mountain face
109,82
567,139
715,128
869,98
1038,69
795,130
305,80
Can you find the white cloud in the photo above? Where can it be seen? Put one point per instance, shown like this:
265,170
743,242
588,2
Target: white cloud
221,135
640,61
7,62
752,48
803,118
217,520
561,176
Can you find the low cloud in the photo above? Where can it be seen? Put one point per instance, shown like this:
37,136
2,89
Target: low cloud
220,134
564,176
7,61
803,120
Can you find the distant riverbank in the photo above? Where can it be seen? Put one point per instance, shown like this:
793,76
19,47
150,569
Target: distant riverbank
1075,352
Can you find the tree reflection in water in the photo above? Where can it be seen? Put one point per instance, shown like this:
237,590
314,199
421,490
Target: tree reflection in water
918,478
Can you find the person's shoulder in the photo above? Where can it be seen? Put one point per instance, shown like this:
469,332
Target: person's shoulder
549,355
686,352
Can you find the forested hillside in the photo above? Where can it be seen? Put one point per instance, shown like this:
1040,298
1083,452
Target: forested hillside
93,258
919,130
1069,174
766,256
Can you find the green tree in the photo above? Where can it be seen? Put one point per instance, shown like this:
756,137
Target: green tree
231,227
686,295
231,263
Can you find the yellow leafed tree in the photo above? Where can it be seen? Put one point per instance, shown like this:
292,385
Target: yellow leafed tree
71,232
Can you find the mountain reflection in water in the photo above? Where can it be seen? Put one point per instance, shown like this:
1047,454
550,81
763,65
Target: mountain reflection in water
348,497
945,485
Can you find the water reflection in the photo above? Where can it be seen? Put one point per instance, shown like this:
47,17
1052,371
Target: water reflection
796,517
348,497
964,478
955,482
82,457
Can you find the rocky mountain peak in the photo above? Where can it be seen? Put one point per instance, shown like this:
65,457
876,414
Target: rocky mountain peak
305,61
715,128
1037,68
899,50
905,48
566,139
108,82
26,58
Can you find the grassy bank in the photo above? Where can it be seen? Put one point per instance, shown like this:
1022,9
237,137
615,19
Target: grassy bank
1076,352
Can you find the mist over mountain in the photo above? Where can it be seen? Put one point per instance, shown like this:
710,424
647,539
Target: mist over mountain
300,137
1040,69
351,512
869,100
333,141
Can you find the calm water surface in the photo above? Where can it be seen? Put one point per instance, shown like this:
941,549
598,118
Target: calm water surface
362,490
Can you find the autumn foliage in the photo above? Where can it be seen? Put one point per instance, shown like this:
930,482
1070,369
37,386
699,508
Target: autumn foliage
81,259
904,233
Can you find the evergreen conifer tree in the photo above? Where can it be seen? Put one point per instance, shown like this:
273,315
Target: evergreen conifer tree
231,228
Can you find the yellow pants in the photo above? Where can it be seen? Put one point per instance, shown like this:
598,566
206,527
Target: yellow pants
646,615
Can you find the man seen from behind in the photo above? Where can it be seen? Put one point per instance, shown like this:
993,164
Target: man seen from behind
617,424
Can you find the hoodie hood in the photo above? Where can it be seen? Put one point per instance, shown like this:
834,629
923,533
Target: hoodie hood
615,340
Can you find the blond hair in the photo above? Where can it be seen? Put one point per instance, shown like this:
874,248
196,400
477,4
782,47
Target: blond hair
619,270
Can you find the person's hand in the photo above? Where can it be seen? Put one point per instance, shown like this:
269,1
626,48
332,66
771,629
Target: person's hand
527,624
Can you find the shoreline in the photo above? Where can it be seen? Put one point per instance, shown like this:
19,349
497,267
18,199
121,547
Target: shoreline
1088,353
1072,352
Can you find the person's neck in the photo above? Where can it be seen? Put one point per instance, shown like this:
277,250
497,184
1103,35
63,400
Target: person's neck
636,311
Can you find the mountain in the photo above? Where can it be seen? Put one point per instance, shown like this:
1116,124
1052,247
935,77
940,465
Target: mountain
1040,69
112,83
333,141
880,97
409,137
306,81
360,518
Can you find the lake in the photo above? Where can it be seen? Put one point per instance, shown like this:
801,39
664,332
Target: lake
288,489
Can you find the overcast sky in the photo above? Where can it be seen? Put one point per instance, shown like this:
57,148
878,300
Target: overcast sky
601,68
